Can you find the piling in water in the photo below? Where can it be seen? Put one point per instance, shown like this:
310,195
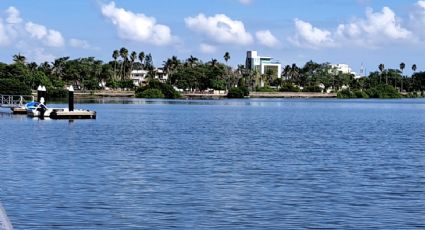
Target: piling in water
71,98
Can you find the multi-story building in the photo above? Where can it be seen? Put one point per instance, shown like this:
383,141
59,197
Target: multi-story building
262,64
139,77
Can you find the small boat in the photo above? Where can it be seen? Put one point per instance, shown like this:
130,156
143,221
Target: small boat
37,109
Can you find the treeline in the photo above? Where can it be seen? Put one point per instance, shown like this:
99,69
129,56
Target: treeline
194,75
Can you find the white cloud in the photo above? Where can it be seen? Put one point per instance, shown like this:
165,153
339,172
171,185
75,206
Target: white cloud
376,29
208,49
245,2
40,55
309,36
77,43
220,28
266,38
54,39
36,30
14,17
36,41
4,39
137,27
417,19
49,37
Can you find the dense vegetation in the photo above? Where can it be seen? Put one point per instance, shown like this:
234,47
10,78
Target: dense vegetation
157,89
194,75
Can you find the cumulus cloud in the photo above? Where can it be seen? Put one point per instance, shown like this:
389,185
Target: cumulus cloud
374,30
417,19
266,38
14,16
208,49
309,36
220,28
34,40
136,26
77,43
49,37
4,39
245,2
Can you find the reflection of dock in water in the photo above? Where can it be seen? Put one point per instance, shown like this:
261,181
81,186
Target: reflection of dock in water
4,220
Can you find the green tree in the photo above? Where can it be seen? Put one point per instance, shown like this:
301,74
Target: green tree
226,56
124,56
402,66
19,59
142,58
133,57
381,68
414,68
115,56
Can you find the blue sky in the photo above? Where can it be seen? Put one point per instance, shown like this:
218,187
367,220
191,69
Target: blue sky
337,31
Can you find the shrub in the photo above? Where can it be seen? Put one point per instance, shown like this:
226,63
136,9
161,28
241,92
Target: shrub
345,94
53,93
236,93
265,89
126,84
151,93
312,89
287,87
13,87
91,84
167,90
360,94
383,92
244,90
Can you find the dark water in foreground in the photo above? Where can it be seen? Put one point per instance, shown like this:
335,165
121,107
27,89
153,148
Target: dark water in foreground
242,164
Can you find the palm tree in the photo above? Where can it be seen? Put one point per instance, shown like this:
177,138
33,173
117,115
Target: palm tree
402,66
115,56
226,56
19,59
133,57
286,71
192,60
142,58
213,62
414,67
32,66
294,72
58,66
381,68
124,56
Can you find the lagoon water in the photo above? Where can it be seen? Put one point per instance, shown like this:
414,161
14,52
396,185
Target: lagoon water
225,164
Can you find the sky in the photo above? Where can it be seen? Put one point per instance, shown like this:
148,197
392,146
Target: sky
355,32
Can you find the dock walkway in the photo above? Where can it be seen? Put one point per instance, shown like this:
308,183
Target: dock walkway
11,101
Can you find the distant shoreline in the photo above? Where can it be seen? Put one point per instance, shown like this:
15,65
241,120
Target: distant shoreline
104,93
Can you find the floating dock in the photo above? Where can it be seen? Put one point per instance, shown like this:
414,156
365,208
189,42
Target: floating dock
41,111
75,114
19,110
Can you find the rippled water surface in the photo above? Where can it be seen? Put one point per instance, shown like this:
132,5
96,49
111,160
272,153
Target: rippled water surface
227,164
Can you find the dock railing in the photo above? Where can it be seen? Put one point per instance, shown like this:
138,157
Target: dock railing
11,101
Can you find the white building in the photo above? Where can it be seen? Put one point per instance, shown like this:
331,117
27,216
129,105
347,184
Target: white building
139,77
341,68
262,64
